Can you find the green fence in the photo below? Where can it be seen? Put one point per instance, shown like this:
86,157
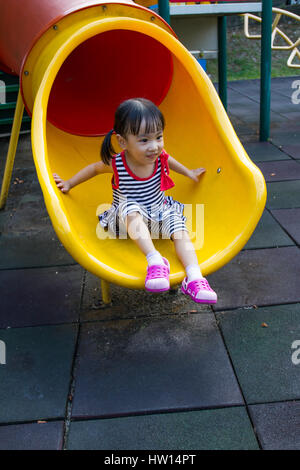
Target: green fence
9,88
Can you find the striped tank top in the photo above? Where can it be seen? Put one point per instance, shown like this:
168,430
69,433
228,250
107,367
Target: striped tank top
147,192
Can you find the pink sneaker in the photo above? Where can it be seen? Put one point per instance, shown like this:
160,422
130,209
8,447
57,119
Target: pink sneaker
157,279
199,291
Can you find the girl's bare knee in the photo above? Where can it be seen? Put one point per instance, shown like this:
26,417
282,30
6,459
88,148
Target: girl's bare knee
180,235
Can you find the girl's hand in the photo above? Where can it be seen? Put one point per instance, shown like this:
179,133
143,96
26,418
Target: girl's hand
64,186
195,174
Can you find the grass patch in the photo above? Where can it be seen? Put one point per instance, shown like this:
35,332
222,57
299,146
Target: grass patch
243,55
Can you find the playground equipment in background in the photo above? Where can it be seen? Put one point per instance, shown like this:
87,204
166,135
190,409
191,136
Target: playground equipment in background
291,45
71,41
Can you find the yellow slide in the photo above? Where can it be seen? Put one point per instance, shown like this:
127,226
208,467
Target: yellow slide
77,73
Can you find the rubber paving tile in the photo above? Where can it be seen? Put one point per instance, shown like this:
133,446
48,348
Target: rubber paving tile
34,382
290,221
279,171
264,151
287,137
152,364
133,303
220,429
268,233
292,150
283,85
32,297
32,249
258,277
283,194
277,425
32,436
260,344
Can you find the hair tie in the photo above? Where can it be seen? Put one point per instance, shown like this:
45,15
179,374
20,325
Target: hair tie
113,132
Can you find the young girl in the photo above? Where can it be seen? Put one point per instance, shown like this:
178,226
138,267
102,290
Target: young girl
140,207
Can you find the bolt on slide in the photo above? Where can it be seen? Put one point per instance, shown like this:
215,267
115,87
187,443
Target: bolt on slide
77,60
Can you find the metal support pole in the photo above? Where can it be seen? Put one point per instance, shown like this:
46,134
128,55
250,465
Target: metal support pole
106,297
222,59
12,150
265,70
164,10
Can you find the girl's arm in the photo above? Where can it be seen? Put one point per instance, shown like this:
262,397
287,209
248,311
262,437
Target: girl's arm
182,170
83,175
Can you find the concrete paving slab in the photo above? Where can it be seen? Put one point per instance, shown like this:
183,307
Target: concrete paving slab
42,296
289,219
264,151
277,425
133,303
283,195
220,429
152,364
258,277
34,382
280,171
259,342
32,436
268,233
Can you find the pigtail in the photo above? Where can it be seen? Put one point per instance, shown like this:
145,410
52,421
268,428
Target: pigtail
107,150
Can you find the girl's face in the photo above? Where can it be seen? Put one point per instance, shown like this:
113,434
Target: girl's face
143,149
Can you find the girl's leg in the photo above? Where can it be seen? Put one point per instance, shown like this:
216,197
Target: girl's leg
185,249
157,279
139,233
195,285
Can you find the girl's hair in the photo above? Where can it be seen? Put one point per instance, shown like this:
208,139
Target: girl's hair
128,119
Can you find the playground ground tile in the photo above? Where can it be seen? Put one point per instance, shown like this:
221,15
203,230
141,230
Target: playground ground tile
133,303
268,233
40,296
283,194
32,436
23,158
292,150
264,151
30,216
277,425
152,364
220,429
289,219
291,116
249,88
290,137
259,342
283,85
35,380
258,277
280,171
282,106
31,250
